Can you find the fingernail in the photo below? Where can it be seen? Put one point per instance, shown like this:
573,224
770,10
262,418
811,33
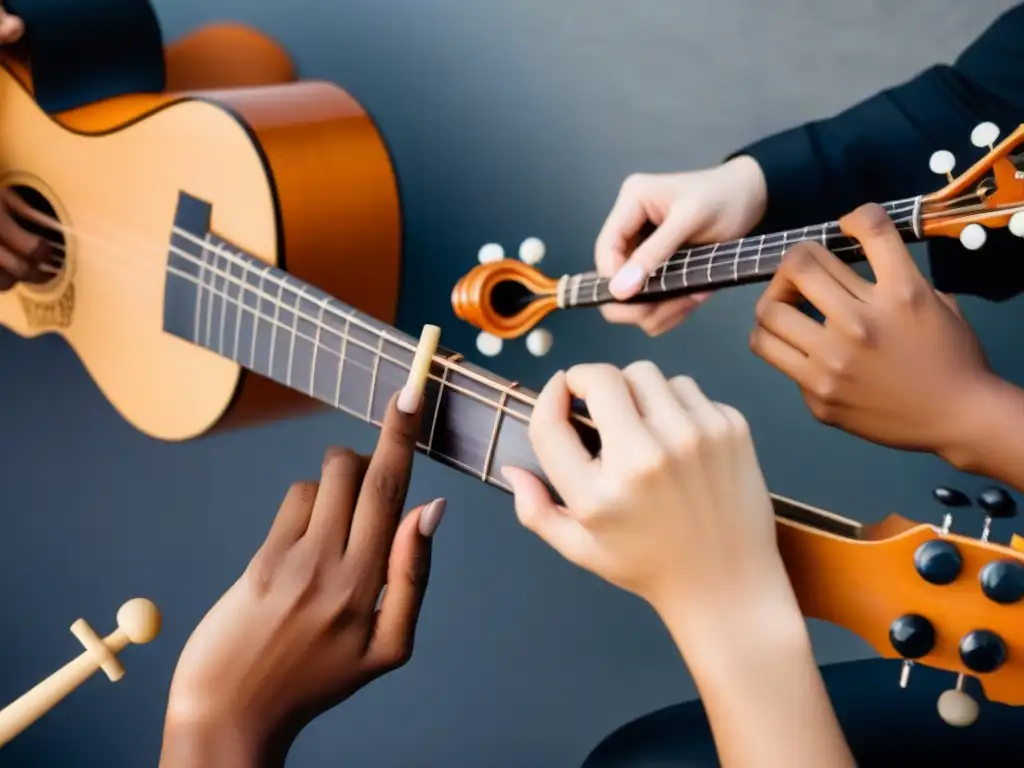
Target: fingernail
409,398
627,280
431,516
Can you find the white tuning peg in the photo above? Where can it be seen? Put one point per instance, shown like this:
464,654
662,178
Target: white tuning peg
942,162
531,250
984,135
958,708
489,344
973,236
1016,225
539,342
491,252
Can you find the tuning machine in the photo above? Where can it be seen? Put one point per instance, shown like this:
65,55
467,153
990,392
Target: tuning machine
539,341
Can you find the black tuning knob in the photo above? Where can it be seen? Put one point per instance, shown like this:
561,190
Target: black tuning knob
982,651
912,636
938,561
1002,581
997,503
951,497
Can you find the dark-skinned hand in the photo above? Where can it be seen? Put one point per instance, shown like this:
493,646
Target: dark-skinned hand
300,631
894,360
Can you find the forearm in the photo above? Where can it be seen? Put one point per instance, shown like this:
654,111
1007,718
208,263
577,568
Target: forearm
760,686
193,744
989,434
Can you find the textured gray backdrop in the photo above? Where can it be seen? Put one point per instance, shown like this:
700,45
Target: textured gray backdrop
506,120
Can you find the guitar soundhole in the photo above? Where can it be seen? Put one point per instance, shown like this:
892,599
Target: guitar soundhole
53,264
510,297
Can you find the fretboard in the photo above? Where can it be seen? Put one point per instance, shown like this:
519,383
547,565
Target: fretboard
735,262
222,299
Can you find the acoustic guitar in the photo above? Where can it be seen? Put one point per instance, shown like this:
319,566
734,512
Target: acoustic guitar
507,298
232,256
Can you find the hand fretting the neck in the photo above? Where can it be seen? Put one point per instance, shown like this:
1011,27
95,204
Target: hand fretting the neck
749,259
274,324
231,303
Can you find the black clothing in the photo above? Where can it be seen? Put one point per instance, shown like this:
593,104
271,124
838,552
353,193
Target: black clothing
878,151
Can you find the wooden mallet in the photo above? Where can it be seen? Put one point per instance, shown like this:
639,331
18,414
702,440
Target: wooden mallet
138,621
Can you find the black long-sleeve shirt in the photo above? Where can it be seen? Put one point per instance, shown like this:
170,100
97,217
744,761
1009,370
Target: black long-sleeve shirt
878,150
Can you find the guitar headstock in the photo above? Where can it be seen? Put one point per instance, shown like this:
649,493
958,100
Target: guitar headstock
988,195
926,595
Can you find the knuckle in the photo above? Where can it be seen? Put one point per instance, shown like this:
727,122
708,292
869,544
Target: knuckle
862,332
641,368
909,296
821,410
633,183
799,259
873,219
647,466
303,492
389,488
825,389
739,427
341,461
395,654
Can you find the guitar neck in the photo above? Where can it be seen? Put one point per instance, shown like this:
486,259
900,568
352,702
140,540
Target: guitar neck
227,301
735,262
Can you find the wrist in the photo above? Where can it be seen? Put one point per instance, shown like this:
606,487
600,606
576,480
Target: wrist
213,742
986,408
731,626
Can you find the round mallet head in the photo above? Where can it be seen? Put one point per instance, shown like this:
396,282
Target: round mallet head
140,620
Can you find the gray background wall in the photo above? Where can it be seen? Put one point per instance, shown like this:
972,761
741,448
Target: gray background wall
506,120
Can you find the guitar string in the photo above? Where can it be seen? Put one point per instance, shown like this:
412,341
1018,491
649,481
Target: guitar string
525,396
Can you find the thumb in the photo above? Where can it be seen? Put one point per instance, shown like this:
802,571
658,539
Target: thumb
406,585
680,224
537,512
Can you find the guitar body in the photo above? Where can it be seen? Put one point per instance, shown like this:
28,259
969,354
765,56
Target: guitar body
296,174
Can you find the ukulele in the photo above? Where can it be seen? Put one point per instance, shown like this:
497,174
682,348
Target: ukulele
507,298
205,239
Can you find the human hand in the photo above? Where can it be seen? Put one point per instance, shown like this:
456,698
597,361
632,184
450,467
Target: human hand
675,508
894,362
706,206
11,27
24,256
298,632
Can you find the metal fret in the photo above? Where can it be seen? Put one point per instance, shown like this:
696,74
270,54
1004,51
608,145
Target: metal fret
485,472
200,284
258,314
316,346
295,333
373,379
711,259
240,309
442,383
210,294
341,361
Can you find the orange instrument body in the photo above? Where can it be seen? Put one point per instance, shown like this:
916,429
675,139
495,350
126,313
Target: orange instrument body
297,174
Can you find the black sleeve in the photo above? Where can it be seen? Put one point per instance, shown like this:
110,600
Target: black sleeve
878,150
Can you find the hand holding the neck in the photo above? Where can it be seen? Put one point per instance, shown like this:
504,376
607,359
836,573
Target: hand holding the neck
299,631
706,206
894,362
675,508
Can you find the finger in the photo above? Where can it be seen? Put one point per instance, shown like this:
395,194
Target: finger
625,220
564,459
626,314
15,265
950,301
341,476
780,355
15,236
793,327
678,226
408,574
884,248
292,518
11,28
612,408
803,275
7,281
668,314
658,404
382,496
537,512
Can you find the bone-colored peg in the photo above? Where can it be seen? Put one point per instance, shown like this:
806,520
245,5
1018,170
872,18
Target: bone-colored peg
138,622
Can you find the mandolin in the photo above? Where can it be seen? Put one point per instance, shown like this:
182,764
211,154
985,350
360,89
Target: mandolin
507,298
228,257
